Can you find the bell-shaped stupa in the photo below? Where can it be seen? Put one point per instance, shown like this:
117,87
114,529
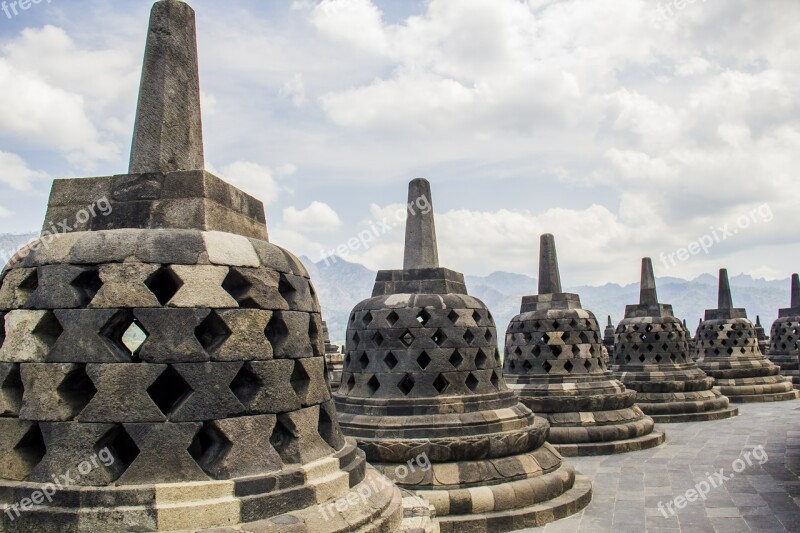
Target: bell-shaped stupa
554,360
164,355
784,349
423,385
652,357
727,350
609,340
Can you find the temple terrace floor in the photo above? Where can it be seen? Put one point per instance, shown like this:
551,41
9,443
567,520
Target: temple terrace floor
628,488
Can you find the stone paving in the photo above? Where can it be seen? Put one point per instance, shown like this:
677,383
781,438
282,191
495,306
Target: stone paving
628,488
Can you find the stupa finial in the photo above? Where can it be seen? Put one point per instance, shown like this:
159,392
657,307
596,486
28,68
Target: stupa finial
421,248
549,275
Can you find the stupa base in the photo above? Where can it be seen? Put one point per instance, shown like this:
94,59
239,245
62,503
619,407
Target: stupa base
707,416
589,449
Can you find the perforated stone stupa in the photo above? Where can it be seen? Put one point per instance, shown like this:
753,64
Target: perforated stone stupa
422,378
220,413
652,357
784,348
727,350
608,340
554,360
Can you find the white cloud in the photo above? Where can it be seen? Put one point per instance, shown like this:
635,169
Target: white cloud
357,22
254,179
5,213
15,173
318,217
295,90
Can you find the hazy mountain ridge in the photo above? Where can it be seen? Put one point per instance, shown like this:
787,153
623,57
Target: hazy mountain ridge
341,285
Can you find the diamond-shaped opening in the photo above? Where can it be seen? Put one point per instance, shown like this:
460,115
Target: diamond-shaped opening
164,284
88,284
373,385
356,338
406,384
556,350
658,358
212,332
440,384
328,429
495,380
363,361
576,351
31,448
48,330
169,390
367,319
650,347
378,339
587,364
317,340
527,366
392,319
439,337
456,359
122,447
472,382
469,337
300,380
209,446
573,324
390,360
453,317
352,318
77,389
642,358
283,438
424,317
481,359
649,328
537,350
547,366
568,366
246,384
476,316
30,283
407,338
545,338
239,287
276,331
424,360
527,337
13,389
351,382
125,333
286,288
488,336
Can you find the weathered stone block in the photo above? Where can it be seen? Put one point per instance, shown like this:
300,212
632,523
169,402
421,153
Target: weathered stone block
122,393
91,336
171,335
54,392
152,465
201,287
210,396
125,286
29,336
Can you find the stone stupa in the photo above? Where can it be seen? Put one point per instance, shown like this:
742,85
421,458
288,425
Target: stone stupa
784,348
422,379
652,357
220,413
334,358
554,360
609,340
727,350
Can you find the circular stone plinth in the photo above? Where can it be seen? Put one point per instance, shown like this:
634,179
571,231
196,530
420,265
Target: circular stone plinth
656,438
697,417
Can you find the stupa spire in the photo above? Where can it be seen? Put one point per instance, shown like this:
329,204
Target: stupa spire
421,248
168,135
549,275
724,300
647,290
795,290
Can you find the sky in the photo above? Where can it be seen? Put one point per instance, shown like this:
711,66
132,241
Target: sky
627,128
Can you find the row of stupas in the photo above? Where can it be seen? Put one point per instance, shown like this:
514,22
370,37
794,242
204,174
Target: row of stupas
174,338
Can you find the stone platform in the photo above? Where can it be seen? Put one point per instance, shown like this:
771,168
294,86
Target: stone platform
763,498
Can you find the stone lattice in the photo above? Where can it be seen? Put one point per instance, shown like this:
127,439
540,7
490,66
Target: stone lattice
554,360
174,336
422,377
727,349
652,357
784,349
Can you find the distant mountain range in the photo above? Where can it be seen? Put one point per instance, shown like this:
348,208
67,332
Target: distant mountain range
341,285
